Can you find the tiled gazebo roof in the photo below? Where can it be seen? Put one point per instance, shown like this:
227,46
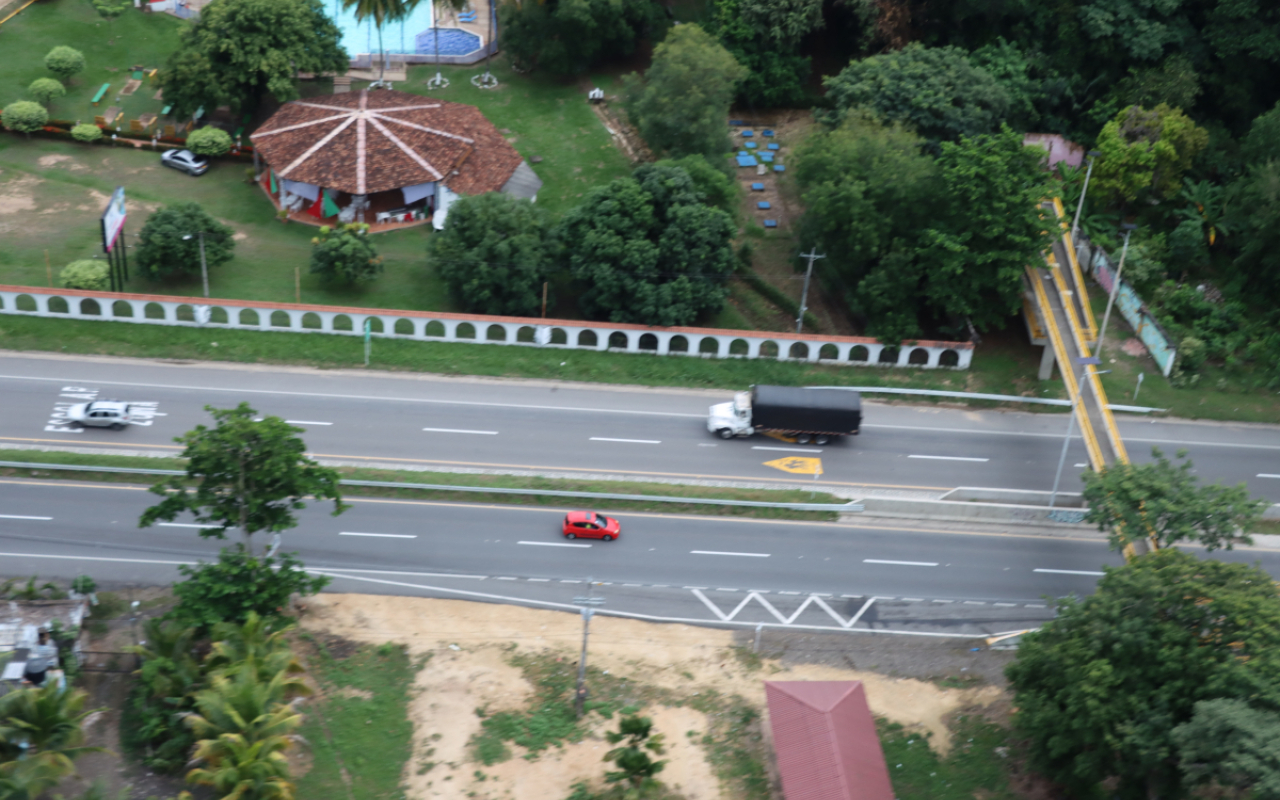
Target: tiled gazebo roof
374,141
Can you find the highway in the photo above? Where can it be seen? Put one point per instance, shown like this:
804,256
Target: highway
919,578
433,422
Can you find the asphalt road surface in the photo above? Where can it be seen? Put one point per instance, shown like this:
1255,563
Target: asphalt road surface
575,428
700,569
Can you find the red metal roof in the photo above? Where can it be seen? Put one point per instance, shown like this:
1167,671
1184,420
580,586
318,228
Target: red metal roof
825,740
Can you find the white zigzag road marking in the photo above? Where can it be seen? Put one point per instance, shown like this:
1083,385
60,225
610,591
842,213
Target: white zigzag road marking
813,599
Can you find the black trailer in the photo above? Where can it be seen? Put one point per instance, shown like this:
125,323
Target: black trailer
806,412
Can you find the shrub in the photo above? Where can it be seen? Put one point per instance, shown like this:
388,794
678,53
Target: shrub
86,274
345,254
86,132
162,250
64,61
24,116
45,90
209,141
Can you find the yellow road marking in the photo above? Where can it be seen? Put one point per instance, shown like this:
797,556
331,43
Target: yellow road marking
797,465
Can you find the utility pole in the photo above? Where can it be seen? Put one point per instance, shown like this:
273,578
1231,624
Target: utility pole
587,603
1128,228
204,265
813,256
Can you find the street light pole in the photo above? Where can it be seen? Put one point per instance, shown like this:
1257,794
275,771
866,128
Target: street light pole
1075,224
204,266
813,256
1128,228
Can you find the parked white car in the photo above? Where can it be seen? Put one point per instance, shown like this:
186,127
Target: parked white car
185,161
100,414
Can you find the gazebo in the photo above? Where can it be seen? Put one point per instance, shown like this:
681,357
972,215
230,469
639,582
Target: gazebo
384,157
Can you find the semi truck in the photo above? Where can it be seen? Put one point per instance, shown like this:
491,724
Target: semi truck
808,414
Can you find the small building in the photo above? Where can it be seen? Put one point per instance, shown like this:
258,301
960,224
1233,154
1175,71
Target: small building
825,741
384,157
1058,148
20,624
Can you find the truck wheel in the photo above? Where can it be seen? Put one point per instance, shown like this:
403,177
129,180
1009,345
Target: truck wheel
116,426
724,433
822,439
803,438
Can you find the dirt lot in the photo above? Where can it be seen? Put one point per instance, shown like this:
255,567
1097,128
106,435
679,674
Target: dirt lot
683,659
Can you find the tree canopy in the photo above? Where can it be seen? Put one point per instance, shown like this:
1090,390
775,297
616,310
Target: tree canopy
681,104
345,254
1102,687
245,472
162,250
1133,501
209,141
24,116
493,254
64,61
936,90
646,250
1233,745
570,36
239,585
1145,153
240,51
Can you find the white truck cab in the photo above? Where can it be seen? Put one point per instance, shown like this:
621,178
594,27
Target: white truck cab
728,420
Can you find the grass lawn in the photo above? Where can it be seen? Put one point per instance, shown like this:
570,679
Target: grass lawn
357,726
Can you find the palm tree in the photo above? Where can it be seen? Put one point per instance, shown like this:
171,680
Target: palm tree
46,720
382,11
244,726
439,81
31,777
256,648
168,665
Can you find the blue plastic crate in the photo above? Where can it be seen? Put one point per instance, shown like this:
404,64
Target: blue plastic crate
771,223
766,158
766,133
748,134
763,204
774,146
777,167
757,187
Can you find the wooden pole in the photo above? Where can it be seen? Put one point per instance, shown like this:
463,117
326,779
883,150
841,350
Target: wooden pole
48,268
544,299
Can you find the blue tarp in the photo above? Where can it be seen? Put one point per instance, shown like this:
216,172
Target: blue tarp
779,168
750,145
766,158
766,133
763,204
757,187
748,134
747,161
774,146
771,223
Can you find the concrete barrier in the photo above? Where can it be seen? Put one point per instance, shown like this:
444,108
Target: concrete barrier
953,511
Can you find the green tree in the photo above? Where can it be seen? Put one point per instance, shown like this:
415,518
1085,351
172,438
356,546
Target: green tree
240,584
47,719
777,74
240,51
647,251
86,132
244,473
936,90
784,22
493,254
1233,745
46,90
87,273
209,141
24,116
711,183
109,9
163,694
1145,153
632,759
345,254
1162,501
257,644
381,12
163,252
681,103
1011,68
990,227
30,778
1174,83
1262,143
1101,687
64,61
569,36
1253,202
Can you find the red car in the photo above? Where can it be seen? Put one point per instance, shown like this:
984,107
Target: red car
590,525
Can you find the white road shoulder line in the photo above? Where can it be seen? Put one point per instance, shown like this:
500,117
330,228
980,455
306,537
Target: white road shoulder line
186,525
626,441
553,544
788,449
720,553
1267,475
306,422
19,516
951,458
460,430
900,563
381,535
1069,571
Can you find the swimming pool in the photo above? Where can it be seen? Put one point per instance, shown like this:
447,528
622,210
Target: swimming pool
411,35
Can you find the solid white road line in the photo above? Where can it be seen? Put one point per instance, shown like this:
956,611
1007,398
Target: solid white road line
950,458
1081,466
1267,475
554,544
1070,571
185,525
627,441
19,516
901,563
420,574
788,449
382,535
306,422
719,553
460,430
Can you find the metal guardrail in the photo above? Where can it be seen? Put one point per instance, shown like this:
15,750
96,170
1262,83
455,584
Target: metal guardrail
849,507
1006,398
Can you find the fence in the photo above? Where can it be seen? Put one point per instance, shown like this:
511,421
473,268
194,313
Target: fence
478,329
1131,307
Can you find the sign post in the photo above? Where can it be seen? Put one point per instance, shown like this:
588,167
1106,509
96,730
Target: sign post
112,227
